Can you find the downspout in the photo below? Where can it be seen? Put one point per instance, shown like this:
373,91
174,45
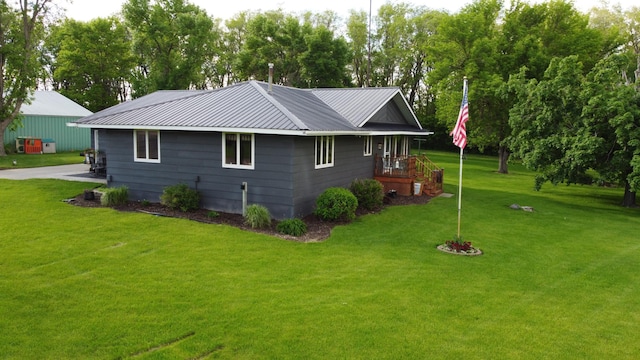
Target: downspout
244,188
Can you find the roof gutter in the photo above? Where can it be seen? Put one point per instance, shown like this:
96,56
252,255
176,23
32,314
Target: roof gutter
253,131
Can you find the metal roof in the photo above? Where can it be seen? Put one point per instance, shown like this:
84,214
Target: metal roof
51,103
250,106
359,105
356,104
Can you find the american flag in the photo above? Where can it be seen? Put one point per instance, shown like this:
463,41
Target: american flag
459,132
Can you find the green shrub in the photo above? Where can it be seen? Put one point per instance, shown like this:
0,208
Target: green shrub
10,148
336,204
257,216
212,214
180,197
369,192
294,227
115,196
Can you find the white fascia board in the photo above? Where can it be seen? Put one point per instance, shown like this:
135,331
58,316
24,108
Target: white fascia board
192,128
413,114
414,133
248,130
368,133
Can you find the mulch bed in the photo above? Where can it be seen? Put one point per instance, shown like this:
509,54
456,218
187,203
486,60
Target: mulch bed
317,229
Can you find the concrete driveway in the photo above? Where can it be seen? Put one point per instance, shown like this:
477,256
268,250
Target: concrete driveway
76,172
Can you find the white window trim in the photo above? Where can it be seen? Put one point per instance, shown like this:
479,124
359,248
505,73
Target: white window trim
238,165
135,147
368,145
333,151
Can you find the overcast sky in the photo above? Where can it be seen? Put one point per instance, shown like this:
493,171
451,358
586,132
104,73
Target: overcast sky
85,10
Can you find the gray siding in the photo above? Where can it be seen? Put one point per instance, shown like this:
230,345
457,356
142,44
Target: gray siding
186,156
349,164
389,114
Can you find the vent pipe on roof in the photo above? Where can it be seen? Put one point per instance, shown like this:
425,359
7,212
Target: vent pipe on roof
270,77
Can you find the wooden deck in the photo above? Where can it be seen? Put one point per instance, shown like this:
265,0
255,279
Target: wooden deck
401,174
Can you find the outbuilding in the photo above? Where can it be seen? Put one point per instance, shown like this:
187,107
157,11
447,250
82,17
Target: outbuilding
44,122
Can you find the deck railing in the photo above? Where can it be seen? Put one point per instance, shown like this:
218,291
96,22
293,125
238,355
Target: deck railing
402,166
416,167
429,173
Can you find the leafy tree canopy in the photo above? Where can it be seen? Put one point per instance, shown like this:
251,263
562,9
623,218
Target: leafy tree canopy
94,62
568,124
172,40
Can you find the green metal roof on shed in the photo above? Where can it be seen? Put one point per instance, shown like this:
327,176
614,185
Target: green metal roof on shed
51,103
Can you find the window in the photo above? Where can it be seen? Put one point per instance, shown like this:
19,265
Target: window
368,145
324,151
238,150
146,145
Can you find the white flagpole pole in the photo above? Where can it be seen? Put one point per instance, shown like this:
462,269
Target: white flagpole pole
464,91
460,192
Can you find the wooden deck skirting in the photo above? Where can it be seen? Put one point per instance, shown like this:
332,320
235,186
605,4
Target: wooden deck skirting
401,174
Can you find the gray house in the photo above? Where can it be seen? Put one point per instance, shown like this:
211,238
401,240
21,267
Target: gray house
271,145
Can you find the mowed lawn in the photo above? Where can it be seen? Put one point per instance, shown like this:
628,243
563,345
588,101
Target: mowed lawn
39,160
562,282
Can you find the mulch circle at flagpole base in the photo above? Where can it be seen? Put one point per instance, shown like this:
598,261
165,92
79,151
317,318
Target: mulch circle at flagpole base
472,252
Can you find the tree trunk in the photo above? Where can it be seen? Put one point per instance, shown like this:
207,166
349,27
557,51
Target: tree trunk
629,199
3,153
4,123
503,159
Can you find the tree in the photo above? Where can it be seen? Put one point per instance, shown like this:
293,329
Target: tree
418,60
391,39
568,124
219,69
612,114
21,31
94,62
546,125
358,34
488,47
325,61
328,19
172,40
466,45
277,38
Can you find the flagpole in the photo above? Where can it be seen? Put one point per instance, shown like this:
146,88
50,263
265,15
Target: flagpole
460,193
461,124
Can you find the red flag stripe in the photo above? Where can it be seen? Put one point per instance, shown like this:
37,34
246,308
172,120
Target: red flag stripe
459,132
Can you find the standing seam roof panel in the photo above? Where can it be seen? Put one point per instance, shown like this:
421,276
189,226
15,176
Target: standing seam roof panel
240,106
249,105
356,105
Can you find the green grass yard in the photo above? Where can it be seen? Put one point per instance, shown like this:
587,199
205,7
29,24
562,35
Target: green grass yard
39,160
558,283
